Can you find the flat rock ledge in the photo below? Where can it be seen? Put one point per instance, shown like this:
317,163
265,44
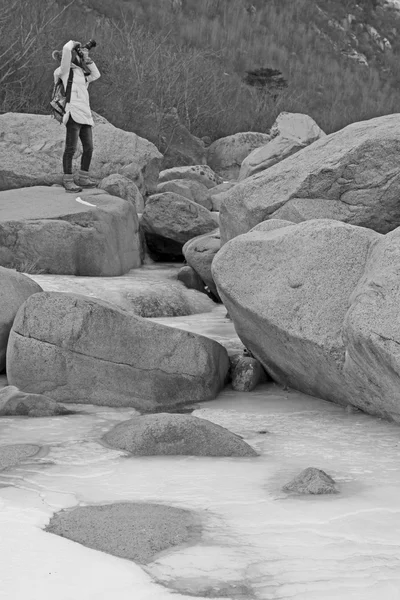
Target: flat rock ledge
134,531
12,454
311,481
175,434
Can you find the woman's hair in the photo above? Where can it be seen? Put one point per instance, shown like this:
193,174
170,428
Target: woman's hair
56,55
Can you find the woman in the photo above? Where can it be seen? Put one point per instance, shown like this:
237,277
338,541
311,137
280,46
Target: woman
78,116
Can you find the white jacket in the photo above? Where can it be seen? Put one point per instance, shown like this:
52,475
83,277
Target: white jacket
79,106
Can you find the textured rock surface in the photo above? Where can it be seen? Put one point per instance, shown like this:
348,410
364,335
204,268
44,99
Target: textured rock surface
13,402
290,133
45,229
15,288
76,349
171,434
226,155
170,220
13,454
189,188
133,531
31,148
351,176
191,279
217,193
200,173
118,185
318,304
311,481
247,373
199,254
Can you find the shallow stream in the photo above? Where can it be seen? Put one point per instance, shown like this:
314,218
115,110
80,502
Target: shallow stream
257,541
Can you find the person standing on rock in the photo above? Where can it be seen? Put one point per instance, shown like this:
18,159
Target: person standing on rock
78,116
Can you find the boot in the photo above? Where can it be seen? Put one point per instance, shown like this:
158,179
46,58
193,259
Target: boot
85,181
70,186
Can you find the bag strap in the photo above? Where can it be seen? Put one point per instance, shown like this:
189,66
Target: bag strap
69,85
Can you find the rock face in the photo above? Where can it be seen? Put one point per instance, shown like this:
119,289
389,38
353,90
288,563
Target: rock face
290,133
226,155
170,220
31,148
350,176
118,185
13,402
311,481
172,138
171,434
14,290
133,531
199,254
201,173
13,454
45,229
318,305
190,189
76,349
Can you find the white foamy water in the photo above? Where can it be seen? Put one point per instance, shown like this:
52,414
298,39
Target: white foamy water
257,541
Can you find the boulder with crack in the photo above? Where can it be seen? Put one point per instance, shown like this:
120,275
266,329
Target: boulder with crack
73,348
226,154
351,175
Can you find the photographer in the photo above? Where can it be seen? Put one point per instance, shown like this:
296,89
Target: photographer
78,117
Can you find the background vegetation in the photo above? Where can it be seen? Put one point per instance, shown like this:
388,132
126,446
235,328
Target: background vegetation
153,58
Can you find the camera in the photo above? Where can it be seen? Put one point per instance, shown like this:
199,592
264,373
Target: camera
88,46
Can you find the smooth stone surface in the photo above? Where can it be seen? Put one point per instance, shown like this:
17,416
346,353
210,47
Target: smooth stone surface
247,373
191,279
351,175
14,402
190,189
118,185
15,288
170,220
290,133
13,454
200,253
133,531
311,481
31,149
226,154
175,434
77,349
44,229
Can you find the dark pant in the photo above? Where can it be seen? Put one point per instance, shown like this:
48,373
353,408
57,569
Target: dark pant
75,131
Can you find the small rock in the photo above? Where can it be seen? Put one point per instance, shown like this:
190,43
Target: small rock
247,374
13,402
175,434
311,481
13,454
191,279
118,185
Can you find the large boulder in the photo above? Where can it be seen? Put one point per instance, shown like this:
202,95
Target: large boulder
31,148
199,254
43,229
201,173
118,185
76,349
171,434
290,133
350,176
226,155
170,220
15,288
189,188
318,304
